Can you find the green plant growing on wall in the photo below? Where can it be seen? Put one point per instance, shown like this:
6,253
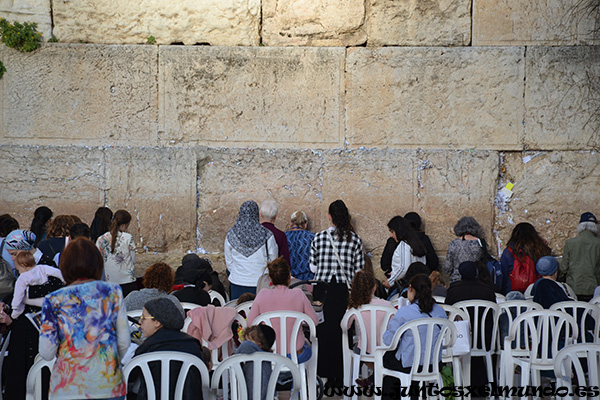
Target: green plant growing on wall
23,37
53,39
151,40
2,69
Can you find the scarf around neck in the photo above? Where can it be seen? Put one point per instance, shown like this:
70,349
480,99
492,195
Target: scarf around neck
247,234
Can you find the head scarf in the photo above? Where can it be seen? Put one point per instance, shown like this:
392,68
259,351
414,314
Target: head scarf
20,239
247,234
190,266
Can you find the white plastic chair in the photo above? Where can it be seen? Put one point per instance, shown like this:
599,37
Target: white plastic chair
421,370
481,313
245,307
308,370
582,312
164,358
500,298
527,294
371,337
439,299
34,378
570,359
233,369
216,295
461,365
595,300
547,331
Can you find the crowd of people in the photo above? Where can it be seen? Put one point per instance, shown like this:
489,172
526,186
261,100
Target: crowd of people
81,281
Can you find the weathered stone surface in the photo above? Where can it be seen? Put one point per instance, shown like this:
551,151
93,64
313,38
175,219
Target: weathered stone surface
535,22
419,23
227,178
453,184
158,187
552,190
247,96
435,97
313,23
562,98
217,22
80,94
375,185
69,180
37,11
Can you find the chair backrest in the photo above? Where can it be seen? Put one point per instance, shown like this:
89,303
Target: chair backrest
216,295
500,298
587,316
482,314
244,307
34,378
430,335
370,322
234,366
439,299
189,306
164,358
134,314
527,294
290,326
547,332
455,313
595,300
511,309
570,359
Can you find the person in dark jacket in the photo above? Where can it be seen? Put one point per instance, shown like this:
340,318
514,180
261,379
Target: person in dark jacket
161,324
198,292
191,264
472,288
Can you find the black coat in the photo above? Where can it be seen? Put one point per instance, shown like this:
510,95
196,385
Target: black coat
168,340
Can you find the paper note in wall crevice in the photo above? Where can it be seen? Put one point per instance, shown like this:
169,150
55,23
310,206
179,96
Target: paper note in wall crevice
507,190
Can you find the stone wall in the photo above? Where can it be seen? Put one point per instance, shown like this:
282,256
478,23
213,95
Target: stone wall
449,101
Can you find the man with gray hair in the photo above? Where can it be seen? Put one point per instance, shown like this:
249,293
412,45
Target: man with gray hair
268,215
580,266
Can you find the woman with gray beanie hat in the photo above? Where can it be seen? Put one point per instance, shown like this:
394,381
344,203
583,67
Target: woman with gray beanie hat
161,324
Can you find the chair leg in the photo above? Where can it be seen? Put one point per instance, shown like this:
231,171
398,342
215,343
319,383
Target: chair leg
355,372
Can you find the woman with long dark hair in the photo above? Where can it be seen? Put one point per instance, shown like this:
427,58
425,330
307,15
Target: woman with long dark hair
525,242
118,250
409,249
101,223
39,224
422,305
335,255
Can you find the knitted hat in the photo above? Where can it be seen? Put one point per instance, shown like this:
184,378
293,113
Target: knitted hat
268,333
588,217
515,295
546,266
468,270
164,311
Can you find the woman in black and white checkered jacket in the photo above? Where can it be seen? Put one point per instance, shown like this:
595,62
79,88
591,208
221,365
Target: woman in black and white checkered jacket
335,255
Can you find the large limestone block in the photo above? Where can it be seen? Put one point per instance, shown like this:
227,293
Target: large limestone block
158,188
453,184
227,178
562,98
552,190
69,180
419,23
435,97
216,22
80,94
251,96
313,23
375,185
37,11
535,22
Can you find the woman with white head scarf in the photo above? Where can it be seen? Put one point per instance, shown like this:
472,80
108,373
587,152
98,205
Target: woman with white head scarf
249,247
